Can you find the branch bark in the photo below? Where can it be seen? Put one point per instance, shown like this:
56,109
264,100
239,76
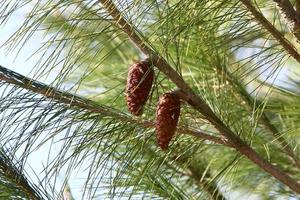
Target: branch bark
198,103
272,30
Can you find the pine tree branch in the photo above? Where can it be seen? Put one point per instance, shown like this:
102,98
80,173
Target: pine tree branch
72,100
288,10
272,30
198,103
264,118
12,174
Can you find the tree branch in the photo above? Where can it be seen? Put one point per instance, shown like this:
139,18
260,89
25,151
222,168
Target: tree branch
12,174
288,10
264,118
64,97
272,30
197,102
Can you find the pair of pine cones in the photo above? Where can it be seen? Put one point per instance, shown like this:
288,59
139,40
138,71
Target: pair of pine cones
139,83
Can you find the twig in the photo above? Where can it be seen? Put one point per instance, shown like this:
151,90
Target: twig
272,30
197,102
72,100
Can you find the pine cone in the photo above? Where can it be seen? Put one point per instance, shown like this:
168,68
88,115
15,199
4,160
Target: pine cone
139,82
167,114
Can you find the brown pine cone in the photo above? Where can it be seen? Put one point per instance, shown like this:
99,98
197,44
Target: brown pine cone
139,82
167,114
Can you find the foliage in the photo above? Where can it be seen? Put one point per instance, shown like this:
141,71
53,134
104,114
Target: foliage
219,49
